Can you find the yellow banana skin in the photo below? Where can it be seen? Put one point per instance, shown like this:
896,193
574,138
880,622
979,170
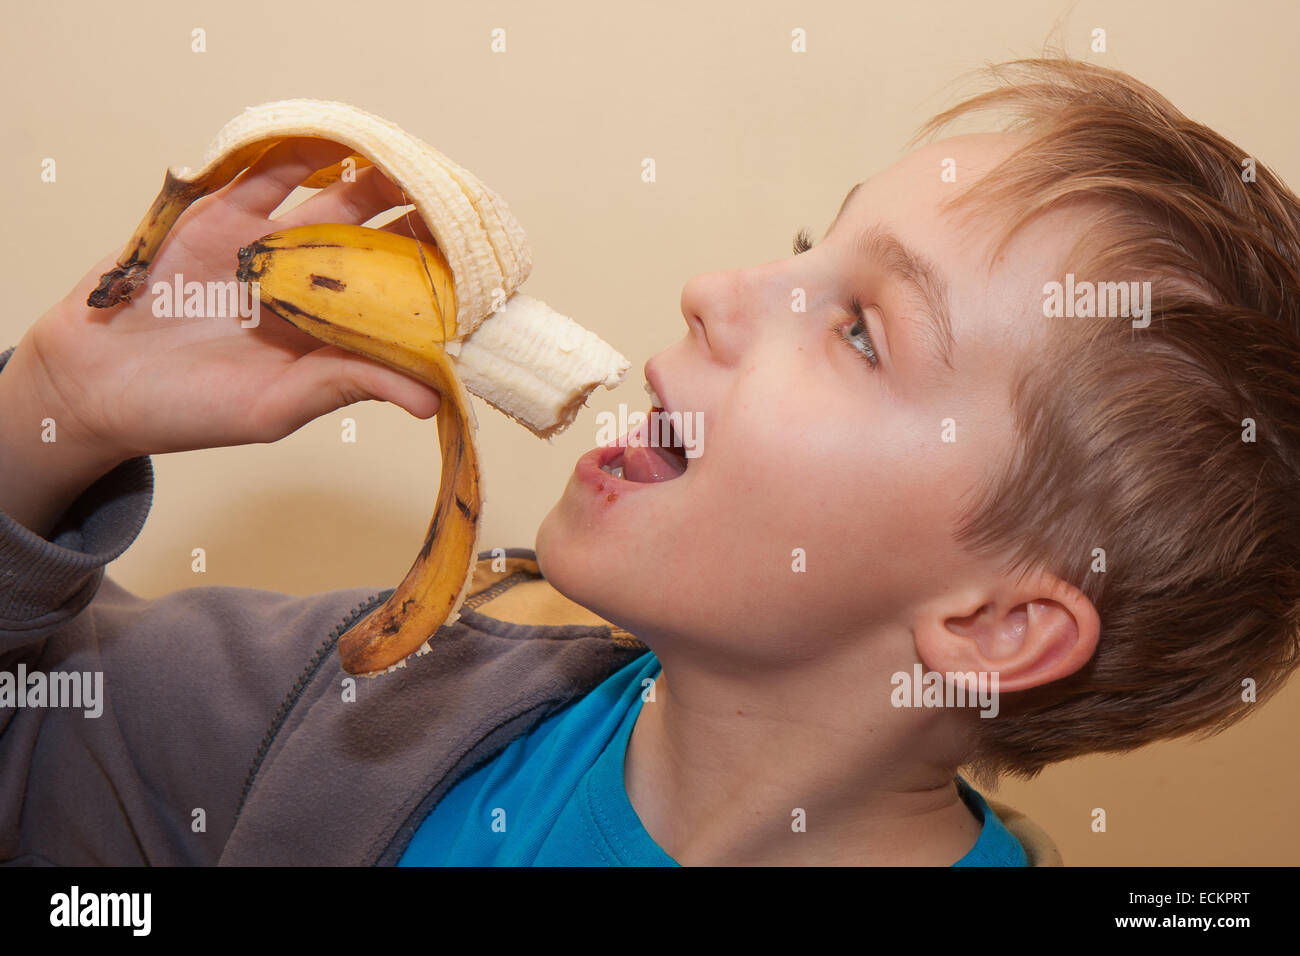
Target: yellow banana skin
385,296
392,295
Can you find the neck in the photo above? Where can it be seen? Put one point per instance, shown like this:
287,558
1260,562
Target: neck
725,771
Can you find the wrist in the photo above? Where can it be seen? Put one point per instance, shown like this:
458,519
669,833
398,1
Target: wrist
44,466
34,389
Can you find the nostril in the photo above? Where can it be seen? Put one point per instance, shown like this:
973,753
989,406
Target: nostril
698,324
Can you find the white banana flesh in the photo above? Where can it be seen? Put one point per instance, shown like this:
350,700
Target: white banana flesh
536,365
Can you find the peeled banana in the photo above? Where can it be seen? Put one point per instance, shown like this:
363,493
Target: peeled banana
448,314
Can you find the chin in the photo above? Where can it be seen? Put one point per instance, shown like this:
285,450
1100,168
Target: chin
572,562
544,543
556,553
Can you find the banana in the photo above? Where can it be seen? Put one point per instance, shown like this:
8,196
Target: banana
386,296
331,174
448,314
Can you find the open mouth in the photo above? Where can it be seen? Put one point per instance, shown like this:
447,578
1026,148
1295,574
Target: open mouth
654,452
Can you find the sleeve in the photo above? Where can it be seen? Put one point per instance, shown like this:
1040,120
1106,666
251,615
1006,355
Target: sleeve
47,582
128,726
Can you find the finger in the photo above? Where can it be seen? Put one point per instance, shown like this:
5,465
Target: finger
330,378
367,379
410,222
356,202
263,186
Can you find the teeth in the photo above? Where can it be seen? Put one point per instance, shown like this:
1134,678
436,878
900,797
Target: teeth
616,472
655,400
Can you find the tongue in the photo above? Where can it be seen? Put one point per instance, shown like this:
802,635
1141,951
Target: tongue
648,463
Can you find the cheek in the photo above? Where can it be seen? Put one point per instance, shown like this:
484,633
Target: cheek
864,495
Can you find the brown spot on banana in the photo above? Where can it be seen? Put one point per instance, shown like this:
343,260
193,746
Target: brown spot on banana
288,308
250,260
325,282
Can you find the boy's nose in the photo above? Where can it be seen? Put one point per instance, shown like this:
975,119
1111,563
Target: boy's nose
728,308
721,308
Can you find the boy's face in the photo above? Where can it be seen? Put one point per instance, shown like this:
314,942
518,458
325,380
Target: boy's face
805,445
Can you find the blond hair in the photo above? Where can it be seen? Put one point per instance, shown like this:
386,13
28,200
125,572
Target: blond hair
1136,441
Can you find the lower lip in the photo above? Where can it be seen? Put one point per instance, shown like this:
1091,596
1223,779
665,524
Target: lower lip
592,474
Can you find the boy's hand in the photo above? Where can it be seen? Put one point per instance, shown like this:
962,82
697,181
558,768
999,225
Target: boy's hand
123,382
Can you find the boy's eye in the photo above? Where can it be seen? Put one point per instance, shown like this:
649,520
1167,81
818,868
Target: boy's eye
867,351
857,329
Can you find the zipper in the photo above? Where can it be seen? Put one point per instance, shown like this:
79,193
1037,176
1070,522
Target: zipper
300,685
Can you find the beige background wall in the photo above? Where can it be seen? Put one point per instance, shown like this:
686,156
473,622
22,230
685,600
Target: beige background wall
751,142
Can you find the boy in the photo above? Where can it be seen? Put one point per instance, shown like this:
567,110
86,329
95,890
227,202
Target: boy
918,453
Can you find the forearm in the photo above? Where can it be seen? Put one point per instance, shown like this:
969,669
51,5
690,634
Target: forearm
39,479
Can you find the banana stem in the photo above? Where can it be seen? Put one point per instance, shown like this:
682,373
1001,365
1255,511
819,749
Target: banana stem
120,283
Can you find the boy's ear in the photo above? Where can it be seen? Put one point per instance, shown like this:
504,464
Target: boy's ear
1031,631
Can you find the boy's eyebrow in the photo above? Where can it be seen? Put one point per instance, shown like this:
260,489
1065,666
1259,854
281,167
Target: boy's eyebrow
878,244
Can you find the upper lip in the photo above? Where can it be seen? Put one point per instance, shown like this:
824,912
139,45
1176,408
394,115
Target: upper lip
657,384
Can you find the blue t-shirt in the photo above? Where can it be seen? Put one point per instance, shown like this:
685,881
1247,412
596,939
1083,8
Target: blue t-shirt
555,796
